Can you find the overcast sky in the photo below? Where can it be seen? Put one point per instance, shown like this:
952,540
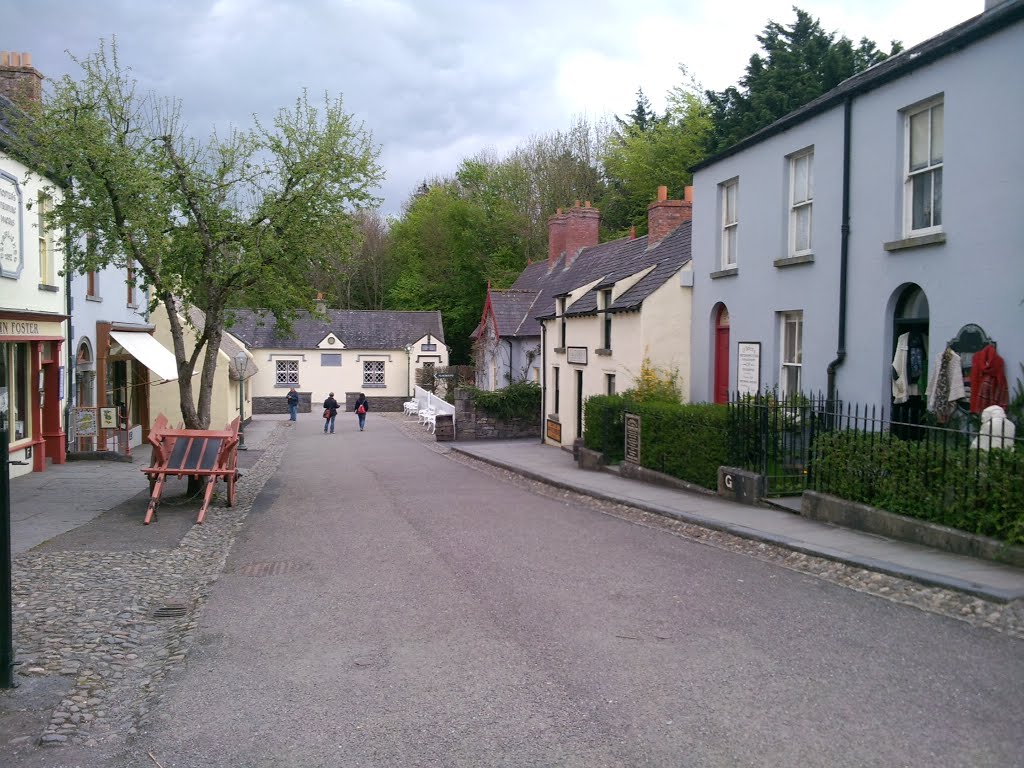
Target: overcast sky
436,81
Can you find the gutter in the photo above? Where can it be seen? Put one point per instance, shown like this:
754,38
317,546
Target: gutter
70,351
844,251
543,378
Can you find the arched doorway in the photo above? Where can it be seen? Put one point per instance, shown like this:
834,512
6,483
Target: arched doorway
721,361
910,357
85,390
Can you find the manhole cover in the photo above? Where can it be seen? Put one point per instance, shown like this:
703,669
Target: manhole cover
171,610
272,568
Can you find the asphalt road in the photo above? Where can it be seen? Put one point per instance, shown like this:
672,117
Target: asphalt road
386,606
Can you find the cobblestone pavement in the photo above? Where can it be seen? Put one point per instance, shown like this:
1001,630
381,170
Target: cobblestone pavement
1002,617
112,624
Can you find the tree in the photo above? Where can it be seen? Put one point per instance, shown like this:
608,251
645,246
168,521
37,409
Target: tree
799,63
240,220
637,162
642,119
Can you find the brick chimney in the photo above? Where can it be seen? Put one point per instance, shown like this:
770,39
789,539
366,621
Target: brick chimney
581,230
665,215
556,237
19,81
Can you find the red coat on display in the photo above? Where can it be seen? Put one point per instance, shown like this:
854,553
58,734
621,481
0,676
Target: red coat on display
988,380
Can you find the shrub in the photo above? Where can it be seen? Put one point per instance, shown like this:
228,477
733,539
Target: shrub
519,400
947,483
684,441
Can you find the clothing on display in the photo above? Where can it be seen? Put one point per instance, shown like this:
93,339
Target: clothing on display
945,384
988,380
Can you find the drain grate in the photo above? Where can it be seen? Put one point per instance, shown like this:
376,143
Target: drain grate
170,610
271,568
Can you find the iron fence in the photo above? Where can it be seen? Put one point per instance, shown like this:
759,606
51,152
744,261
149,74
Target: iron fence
799,442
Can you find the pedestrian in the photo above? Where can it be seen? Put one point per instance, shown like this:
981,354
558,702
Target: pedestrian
330,412
361,407
293,405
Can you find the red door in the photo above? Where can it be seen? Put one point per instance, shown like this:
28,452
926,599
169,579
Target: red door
721,388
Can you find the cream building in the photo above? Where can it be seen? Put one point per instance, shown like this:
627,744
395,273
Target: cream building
33,309
340,351
236,368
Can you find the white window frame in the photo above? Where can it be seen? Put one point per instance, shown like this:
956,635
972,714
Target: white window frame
46,266
730,223
286,373
791,351
801,201
931,169
373,374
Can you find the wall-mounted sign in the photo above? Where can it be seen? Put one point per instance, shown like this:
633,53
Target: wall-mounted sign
632,422
84,421
554,430
576,355
108,418
748,367
11,252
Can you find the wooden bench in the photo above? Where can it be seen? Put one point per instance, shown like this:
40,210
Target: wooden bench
211,454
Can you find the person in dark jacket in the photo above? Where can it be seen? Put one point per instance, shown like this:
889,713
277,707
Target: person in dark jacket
360,408
330,412
293,405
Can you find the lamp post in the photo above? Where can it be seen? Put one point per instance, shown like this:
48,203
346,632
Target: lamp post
241,365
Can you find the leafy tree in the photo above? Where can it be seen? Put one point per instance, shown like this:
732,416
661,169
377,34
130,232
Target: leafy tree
241,220
637,162
642,119
797,64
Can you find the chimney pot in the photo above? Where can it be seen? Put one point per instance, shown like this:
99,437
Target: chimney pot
15,59
5,58
577,204
26,59
688,194
662,193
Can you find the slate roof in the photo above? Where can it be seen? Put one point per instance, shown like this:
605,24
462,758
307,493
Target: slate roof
6,130
509,308
607,264
892,68
357,329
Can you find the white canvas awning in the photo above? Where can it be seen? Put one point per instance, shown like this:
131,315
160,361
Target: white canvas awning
148,351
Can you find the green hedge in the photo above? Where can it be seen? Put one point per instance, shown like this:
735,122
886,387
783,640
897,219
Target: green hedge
519,400
687,441
975,491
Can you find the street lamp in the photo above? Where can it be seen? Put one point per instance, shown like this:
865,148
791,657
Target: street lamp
241,365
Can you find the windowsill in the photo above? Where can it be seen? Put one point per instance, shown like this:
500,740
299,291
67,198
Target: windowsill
559,350
375,386
94,298
792,261
286,386
916,241
603,352
730,272
48,287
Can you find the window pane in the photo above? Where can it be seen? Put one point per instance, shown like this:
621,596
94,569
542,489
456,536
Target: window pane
919,140
802,228
922,212
936,153
730,204
800,179
810,176
936,197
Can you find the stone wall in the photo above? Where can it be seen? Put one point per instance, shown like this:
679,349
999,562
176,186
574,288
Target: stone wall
279,403
380,404
473,423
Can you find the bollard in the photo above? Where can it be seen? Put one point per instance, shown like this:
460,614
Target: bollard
6,585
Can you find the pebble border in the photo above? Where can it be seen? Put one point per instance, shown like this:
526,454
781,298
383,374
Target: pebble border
74,616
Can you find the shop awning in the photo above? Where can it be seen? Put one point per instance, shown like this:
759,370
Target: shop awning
148,351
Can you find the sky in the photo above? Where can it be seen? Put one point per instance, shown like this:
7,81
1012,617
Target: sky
436,81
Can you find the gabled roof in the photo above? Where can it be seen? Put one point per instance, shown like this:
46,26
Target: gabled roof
357,329
892,68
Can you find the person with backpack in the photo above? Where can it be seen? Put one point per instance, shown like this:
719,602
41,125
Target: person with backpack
330,412
361,407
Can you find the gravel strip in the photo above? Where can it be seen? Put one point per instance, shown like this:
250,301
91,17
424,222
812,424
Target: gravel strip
114,623
1007,618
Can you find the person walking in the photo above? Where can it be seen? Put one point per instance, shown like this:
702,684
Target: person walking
361,407
293,405
330,412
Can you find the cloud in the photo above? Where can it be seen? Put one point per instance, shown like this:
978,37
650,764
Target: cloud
435,81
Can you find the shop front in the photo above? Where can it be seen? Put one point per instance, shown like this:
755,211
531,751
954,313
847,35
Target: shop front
32,381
